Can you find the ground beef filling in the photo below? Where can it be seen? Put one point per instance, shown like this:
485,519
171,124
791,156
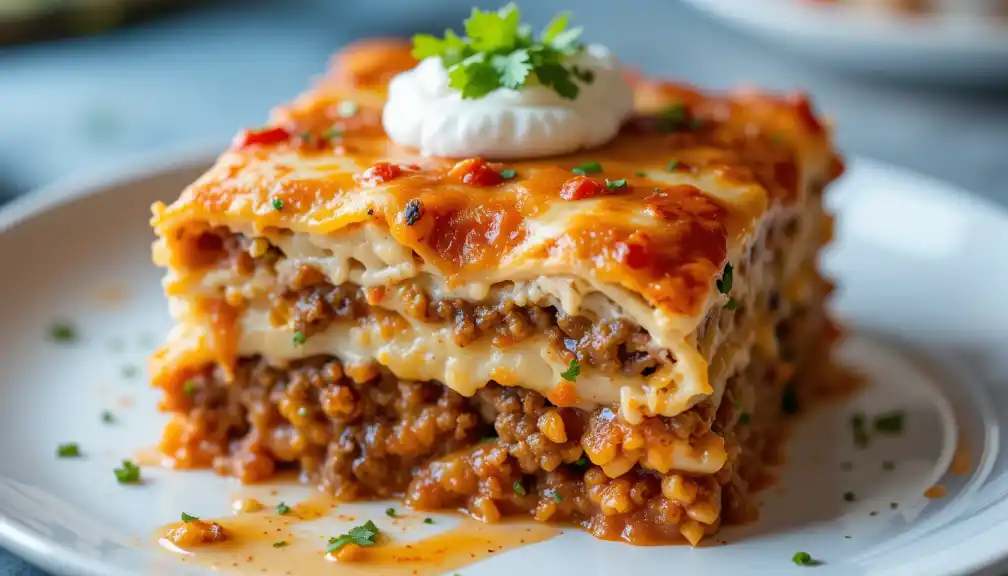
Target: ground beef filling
611,346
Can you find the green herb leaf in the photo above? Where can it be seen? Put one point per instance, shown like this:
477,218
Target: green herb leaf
63,332
278,204
889,423
554,495
347,109
672,165
129,473
731,304
428,520
587,168
107,417
893,505
69,450
280,544
519,488
615,184
513,69
299,338
582,461
804,559
572,371
743,419
187,518
640,173
724,284
860,430
508,173
390,512
363,535
189,387
282,509
332,134
500,52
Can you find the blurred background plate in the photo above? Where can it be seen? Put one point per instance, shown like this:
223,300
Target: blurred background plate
963,41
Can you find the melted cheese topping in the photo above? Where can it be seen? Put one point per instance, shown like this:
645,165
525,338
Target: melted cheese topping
650,251
424,112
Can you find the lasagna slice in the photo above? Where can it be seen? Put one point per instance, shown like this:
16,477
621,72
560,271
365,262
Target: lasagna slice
611,338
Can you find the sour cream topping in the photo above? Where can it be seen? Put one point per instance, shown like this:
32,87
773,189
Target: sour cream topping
422,111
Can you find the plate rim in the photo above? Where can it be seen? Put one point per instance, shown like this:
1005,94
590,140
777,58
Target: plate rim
57,558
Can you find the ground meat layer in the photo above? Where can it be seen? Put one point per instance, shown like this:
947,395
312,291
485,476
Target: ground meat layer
505,451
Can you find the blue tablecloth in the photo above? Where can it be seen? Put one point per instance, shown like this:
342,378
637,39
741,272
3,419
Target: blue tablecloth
197,76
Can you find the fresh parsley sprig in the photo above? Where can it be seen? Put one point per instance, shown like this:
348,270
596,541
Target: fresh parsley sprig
499,51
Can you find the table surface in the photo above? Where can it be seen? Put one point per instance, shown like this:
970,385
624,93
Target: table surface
196,77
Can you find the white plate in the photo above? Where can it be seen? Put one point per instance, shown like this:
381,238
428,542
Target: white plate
955,46
922,289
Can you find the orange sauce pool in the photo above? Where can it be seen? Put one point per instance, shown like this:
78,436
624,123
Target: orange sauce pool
936,491
962,460
269,543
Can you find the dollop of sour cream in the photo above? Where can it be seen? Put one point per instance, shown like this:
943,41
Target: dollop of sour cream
423,112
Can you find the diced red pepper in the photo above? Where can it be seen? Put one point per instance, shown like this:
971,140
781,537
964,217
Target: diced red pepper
634,255
265,136
476,172
581,187
380,173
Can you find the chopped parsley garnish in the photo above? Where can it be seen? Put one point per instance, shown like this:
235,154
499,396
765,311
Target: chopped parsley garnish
789,399
282,509
107,417
332,134
847,537
69,450
731,304
498,51
572,371
640,173
129,473
743,418
299,338
278,204
189,387
413,212
860,430
347,108
280,544
889,423
582,461
893,505
302,411
848,496
615,184
804,559
672,165
554,495
130,371
673,118
390,512
428,520
63,332
724,284
363,535
587,168
187,518
508,173
888,465
519,488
